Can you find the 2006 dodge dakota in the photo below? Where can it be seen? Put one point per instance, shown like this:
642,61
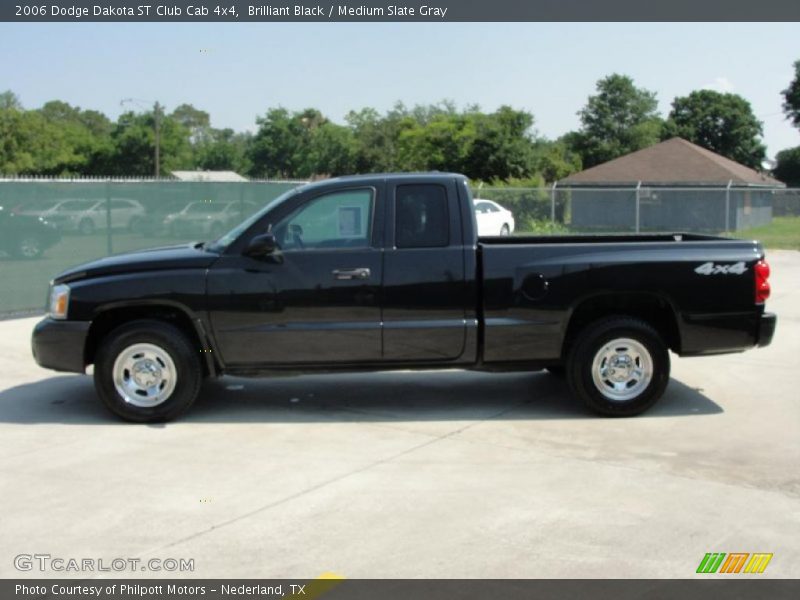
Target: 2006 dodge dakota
379,272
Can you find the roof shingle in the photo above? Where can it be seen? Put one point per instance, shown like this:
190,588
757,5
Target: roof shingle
673,162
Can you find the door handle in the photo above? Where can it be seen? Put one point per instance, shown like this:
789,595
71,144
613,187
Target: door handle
361,273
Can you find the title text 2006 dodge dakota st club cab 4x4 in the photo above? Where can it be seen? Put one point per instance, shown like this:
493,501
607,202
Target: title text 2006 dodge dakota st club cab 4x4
386,271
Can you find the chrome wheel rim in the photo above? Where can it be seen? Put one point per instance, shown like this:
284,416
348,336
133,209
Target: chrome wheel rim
144,375
622,369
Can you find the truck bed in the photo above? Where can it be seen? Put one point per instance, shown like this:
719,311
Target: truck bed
595,238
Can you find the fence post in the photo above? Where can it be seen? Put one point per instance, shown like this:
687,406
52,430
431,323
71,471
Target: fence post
553,203
638,187
728,207
109,243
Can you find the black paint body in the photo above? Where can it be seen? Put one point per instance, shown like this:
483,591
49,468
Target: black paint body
494,303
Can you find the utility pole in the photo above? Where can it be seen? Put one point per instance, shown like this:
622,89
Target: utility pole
157,114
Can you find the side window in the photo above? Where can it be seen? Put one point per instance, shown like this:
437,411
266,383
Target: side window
421,218
337,220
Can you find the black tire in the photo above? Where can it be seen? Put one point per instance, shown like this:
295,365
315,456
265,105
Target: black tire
557,370
28,247
167,338
86,227
588,345
505,230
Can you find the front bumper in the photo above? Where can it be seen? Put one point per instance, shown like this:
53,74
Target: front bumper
766,329
59,345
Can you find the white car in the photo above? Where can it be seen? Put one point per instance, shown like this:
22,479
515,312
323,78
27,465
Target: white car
86,216
492,218
207,218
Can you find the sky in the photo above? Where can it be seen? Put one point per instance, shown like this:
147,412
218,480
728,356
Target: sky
237,71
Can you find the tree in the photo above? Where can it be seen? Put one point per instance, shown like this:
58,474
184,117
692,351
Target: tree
791,97
502,147
721,122
197,122
555,160
620,118
29,144
133,137
9,99
787,168
86,133
223,150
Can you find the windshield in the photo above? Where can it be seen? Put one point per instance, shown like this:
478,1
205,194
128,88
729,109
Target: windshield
227,239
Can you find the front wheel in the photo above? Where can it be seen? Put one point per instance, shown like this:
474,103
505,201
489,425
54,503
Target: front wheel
618,366
147,371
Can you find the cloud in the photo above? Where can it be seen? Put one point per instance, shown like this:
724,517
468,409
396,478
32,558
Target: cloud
720,84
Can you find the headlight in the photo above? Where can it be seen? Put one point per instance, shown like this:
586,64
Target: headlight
59,301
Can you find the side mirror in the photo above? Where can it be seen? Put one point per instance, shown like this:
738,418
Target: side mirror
262,245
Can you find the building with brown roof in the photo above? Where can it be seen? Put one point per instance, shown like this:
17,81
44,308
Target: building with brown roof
674,185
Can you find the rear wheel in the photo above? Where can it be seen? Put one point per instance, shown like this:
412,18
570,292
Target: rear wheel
147,371
618,366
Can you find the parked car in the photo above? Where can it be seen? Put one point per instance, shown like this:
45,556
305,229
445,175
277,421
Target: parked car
207,219
492,218
380,272
87,216
24,236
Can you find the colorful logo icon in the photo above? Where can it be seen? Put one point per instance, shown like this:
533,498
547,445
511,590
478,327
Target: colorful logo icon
735,562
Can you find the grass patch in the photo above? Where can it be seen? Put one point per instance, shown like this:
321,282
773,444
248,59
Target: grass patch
783,233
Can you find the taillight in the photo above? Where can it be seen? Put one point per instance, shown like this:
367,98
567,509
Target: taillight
762,281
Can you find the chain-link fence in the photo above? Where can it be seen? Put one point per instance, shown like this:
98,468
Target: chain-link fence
91,219
641,208
88,219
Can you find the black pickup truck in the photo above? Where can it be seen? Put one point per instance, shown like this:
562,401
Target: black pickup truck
379,272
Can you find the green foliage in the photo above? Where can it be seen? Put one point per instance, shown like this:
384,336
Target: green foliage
29,143
723,123
9,99
791,97
223,150
787,169
620,118
133,137
301,144
555,160
540,227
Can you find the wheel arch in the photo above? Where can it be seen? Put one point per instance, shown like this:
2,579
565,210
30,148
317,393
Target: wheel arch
652,308
112,316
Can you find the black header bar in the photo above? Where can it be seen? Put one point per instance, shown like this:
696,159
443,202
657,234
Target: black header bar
410,11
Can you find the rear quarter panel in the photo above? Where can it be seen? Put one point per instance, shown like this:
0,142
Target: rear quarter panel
531,291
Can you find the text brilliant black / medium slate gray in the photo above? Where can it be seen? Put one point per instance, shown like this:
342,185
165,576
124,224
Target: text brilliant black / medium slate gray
438,10
387,272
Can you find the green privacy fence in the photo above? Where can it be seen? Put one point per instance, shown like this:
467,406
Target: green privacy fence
101,217
94,218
